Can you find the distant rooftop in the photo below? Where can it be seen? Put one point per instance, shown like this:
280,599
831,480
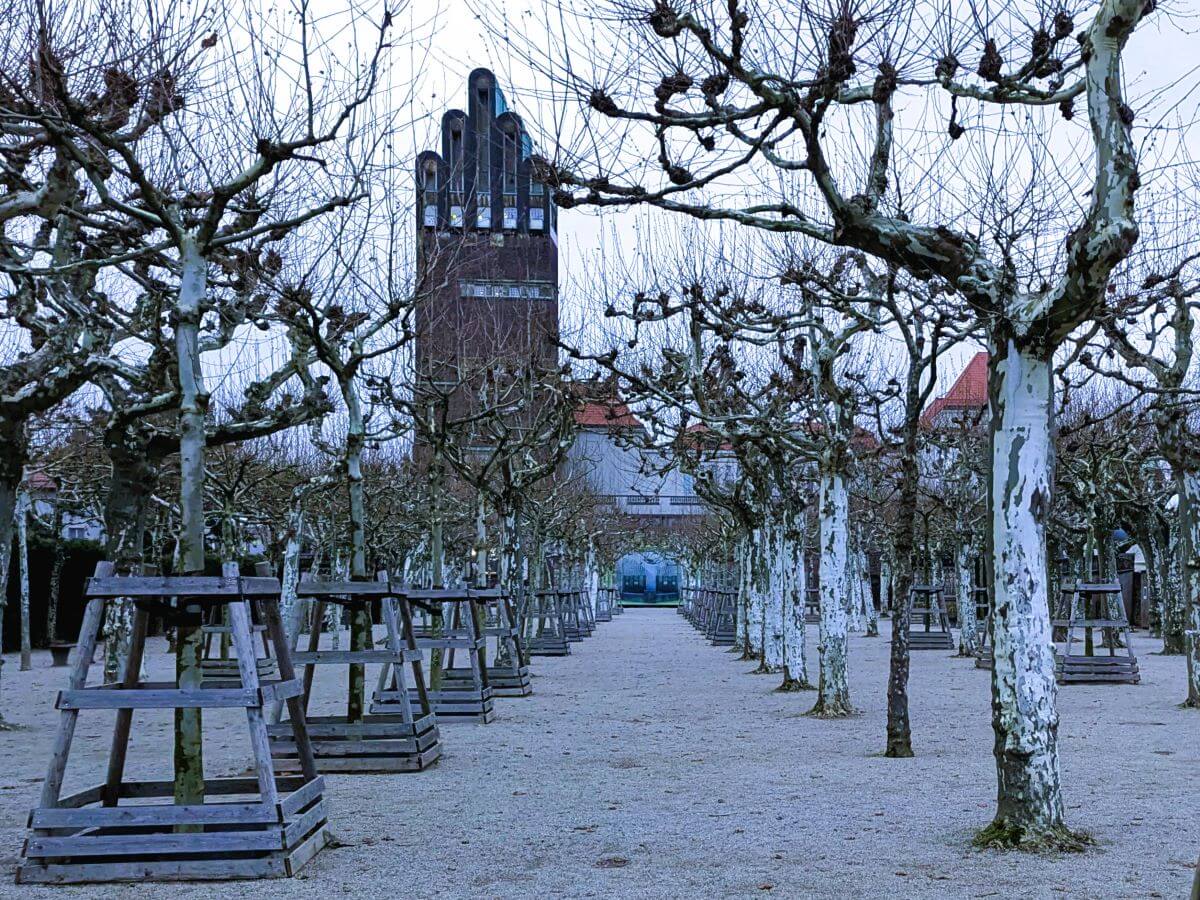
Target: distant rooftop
604,414
969,392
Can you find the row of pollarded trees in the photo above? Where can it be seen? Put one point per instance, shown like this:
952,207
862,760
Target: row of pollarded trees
793,120
815,387
207,259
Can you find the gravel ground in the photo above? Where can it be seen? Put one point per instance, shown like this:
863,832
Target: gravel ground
649,764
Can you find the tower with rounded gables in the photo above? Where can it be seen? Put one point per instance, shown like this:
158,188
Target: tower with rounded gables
487,248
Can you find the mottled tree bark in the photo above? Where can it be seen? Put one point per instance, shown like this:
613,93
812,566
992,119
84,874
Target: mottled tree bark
22,513
360,616
13,454
741,640
1024,715
968,621
132,480
833,690
771,591
755,595
1188,512
56,567
795,666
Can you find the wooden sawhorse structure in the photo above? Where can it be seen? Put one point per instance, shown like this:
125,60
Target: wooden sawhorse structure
265,826
460,698
509,673
1095,606
925,603
400,735
547,625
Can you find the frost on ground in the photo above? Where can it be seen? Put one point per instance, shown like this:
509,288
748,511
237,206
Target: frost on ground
649,764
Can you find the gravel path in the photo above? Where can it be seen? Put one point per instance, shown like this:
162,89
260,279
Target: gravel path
649,764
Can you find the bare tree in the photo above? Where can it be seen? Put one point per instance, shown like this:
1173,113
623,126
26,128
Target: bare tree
743,101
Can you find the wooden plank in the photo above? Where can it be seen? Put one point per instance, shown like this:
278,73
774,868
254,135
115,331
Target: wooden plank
369,728
307,849
124,719
83,872
213,787
163,814
84,797
243,646
451,643
443,595
485,594
342,657
146,844
192,587
297,831
175,698
88,631
301,797
295,704
375,765
334,589
323,749
1093,623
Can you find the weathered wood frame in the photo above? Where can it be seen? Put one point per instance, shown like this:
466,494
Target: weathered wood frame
460,698
400,731
262,827
1073,668
925,603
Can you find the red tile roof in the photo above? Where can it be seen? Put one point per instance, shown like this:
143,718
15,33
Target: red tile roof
604,414
40,481
970,391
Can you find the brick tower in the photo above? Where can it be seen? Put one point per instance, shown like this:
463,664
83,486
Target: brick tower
487,248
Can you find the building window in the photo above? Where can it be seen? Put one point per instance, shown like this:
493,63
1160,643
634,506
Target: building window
76,532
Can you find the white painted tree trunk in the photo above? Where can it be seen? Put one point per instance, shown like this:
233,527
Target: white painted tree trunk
833,690
854,600
591,578
755,606
339,570
359,616
1024,713
885,583
795,666
1188,513
741,639
968,622
290,608
867,595
7,508
772,599
23,569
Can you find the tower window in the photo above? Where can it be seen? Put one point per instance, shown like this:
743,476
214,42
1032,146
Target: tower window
456,159
510,164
